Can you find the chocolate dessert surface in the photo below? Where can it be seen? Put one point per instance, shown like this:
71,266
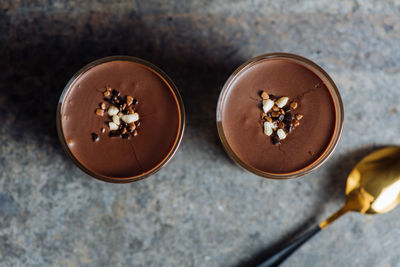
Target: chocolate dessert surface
120,119
278,116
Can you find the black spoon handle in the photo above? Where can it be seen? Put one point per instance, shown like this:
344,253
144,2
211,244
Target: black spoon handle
286,250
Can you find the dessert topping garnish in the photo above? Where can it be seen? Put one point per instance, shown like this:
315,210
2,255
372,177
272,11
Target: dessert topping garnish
123,118
95,137
277,117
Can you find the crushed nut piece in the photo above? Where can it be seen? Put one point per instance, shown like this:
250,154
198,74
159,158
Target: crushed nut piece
264,95
103,105
135,133
100,112
130,118
281,102
116,120
112,126
107,93
131,127
267,128
129,100
267,105
299,116
275,108
293,105
281,125
275,114
296,123
281,134
112,110
269,119
103,130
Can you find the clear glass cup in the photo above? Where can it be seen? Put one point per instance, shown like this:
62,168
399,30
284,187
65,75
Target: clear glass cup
338,114
173,150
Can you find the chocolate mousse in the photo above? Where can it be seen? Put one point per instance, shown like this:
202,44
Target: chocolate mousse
277,115
120,119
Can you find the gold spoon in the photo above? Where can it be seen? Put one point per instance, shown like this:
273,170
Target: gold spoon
373,187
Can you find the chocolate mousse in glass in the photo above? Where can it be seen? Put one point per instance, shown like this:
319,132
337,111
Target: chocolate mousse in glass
279,116
120,119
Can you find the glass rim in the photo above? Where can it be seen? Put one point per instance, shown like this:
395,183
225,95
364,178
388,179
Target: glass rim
339,116
175,92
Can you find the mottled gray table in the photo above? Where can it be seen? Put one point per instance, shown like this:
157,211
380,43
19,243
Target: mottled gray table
201,210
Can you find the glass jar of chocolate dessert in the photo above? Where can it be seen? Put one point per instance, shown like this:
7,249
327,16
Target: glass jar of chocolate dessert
120,119
279,116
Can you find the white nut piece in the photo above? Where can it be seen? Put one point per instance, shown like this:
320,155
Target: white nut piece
115,119
112,126
281,102
130,118
267,105
281,134
112,110
267,128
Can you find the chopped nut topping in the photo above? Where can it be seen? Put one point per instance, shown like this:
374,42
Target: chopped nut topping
293,105
281,102
264,95
112,126
116,120
277,117
124,118
267,105
275,114
281,134
268,128
100,112
129,100
112,110
130,118
299,116
131,127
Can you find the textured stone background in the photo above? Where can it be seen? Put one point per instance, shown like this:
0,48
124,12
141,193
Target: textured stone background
201,210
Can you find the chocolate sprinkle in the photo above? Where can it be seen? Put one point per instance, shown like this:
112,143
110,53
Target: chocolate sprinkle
95,137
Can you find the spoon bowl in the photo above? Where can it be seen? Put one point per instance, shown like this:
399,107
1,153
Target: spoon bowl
372,187
376,180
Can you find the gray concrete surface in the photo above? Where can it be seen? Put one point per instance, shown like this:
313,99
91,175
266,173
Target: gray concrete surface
201,210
